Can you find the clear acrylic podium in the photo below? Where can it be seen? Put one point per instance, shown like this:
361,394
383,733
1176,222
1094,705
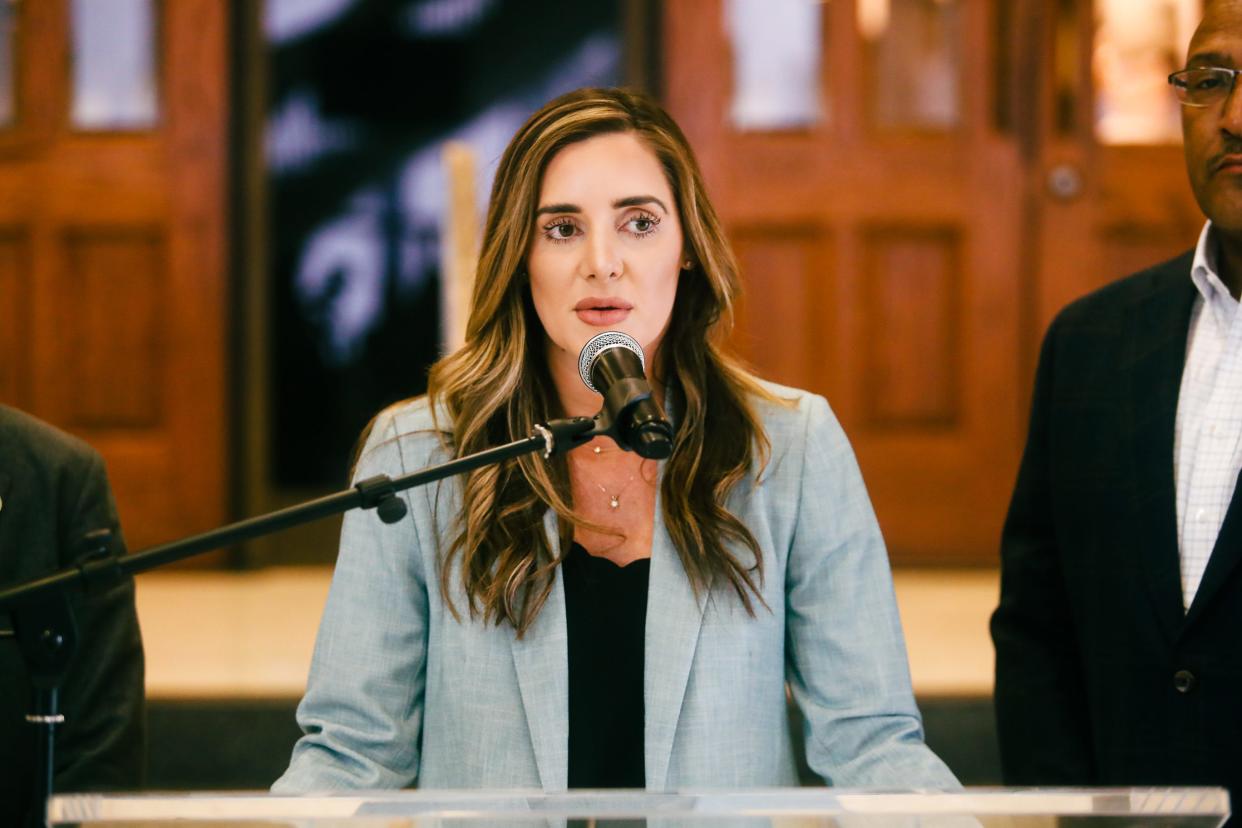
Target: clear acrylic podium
777,807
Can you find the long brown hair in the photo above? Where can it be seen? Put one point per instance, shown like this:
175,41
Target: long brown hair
498,385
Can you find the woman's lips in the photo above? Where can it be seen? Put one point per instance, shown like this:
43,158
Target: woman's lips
602,311
602,317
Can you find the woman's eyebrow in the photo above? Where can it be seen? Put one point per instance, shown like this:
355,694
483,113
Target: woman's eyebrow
638,201
628,201
558,208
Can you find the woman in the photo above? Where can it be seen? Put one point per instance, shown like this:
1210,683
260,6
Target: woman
597,619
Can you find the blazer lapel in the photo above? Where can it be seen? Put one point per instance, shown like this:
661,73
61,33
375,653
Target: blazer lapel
1156,352
541,658
674,616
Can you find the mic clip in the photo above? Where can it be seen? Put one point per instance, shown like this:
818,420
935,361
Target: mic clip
380,494
560,436
636,427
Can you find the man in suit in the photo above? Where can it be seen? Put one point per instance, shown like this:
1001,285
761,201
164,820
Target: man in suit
1119,631
53,490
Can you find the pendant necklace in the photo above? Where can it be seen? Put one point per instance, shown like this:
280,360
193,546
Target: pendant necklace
614,499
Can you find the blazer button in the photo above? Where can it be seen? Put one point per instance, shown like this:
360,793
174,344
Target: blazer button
1184,681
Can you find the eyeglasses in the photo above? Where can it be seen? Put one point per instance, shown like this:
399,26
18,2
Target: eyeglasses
1204,87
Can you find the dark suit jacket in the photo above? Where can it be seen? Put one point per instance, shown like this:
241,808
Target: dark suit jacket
53,489
1100,677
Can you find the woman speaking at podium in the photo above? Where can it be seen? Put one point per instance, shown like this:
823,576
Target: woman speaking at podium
598,619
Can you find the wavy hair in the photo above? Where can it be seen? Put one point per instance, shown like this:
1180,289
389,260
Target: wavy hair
498,384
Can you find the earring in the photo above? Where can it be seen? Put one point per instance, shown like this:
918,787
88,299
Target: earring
687,264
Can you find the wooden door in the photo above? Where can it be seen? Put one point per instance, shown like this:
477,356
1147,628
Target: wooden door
112,283
1108,178
880,247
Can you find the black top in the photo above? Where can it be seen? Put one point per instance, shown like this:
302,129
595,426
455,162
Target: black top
606,615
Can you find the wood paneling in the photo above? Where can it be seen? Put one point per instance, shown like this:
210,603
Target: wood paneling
124,341
881,270
912,283
113,315
1129,248
1132,206
786,272
14,311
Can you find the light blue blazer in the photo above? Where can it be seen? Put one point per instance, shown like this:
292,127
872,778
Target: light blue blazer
400,692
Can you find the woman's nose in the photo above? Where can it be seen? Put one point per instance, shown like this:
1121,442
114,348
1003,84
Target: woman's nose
601,258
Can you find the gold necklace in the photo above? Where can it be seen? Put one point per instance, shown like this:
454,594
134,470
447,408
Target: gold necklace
614,499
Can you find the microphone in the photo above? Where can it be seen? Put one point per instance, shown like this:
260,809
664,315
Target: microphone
612,364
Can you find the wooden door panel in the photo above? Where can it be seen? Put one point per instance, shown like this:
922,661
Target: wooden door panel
937,420
112,252
787,272
880,269
951,249
908,344
1130,206
111,302
1133,214
150,482
14,312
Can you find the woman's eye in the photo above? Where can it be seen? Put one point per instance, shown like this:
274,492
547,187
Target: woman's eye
642,225
561,231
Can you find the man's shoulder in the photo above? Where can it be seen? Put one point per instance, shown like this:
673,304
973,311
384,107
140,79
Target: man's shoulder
25,437
1110,304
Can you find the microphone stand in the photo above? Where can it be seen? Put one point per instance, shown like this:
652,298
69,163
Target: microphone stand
42,617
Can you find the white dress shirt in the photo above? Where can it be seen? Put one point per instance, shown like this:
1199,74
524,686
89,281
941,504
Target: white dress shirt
1207,442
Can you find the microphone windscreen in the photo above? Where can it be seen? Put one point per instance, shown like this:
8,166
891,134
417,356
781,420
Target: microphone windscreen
600,343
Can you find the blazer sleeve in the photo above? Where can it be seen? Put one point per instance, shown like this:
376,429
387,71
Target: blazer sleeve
102,744
845,654
1041,705
362,712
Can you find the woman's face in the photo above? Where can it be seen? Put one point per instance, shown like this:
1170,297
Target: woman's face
607,248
